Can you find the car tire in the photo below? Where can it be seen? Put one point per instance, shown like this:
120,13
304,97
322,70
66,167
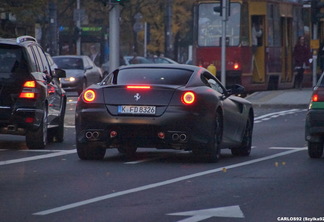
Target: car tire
315,150
87,151
213,147
57,134
37,139
245,148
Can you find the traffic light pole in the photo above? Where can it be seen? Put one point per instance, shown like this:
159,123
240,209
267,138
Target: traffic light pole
78,24
223,52
114,37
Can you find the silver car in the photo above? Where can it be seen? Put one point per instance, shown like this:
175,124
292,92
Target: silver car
80,72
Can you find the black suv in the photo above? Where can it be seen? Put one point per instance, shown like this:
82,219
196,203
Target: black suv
32,103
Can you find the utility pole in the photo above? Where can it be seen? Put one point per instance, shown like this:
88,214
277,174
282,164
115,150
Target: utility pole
168,29
114,37
145,39
224,11
78,25
53,29
224,21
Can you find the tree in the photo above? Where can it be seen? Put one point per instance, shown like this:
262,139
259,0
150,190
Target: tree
28,13
153,13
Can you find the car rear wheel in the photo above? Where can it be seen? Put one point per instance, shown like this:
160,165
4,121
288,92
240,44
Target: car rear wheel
315,150
213,149
245,148
57,134
88,151
37,139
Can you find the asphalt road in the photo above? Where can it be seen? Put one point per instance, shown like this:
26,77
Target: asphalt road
278,182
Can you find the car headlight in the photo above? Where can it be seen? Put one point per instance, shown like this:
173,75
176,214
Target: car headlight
70,79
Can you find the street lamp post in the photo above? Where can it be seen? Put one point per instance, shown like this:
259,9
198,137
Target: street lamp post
78,25
114,37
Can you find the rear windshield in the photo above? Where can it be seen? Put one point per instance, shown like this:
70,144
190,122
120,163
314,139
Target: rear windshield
68,63
12,62
164,76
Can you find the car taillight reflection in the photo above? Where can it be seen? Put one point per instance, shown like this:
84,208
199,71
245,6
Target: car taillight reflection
89,95
188,98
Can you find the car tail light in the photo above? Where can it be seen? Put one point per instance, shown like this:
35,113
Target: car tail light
89,95
29,120
188,98
315,98
138,87
236,66
28,91
318,95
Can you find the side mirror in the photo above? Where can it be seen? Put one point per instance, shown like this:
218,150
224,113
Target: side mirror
235,89
60,73
88,68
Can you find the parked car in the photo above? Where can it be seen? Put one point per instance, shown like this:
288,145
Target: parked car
32,103
167,106
314,124
80,72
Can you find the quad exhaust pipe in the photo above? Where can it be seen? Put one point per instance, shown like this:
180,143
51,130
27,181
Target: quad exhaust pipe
92,135
179,137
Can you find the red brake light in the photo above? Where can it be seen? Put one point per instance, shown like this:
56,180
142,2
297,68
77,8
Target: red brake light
28,90
315,98
188,98
27,95
89,95
30,84
138,87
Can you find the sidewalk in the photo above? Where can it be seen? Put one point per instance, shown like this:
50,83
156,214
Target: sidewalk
292,98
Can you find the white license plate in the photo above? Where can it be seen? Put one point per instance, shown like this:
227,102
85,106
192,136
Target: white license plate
137,109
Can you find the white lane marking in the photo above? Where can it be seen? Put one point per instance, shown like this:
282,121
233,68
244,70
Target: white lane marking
276,114
50,155
42,151
200,215
287,148
143,160
159,184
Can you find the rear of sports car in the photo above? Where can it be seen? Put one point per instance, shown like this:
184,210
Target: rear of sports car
142,108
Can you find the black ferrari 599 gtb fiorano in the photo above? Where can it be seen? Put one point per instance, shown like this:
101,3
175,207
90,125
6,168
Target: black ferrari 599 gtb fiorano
165,107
